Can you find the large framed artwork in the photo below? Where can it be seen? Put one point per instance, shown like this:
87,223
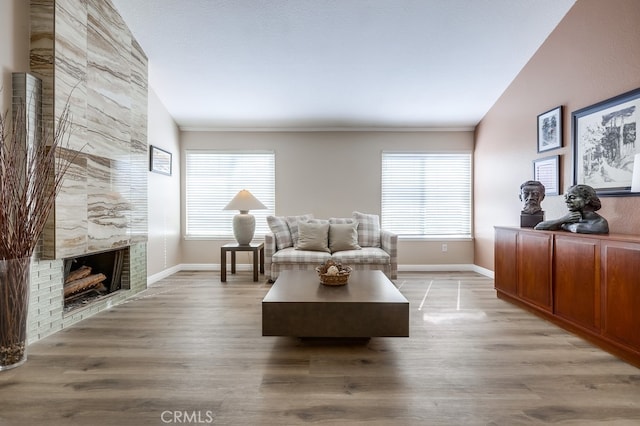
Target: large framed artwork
550,130
159,161
604,144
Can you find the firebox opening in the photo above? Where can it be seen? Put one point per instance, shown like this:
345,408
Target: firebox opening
91,277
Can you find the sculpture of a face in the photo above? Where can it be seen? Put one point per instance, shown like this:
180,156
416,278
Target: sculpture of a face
575,201
582,197
532,195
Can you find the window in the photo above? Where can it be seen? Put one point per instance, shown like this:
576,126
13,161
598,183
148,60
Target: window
426,194
213,178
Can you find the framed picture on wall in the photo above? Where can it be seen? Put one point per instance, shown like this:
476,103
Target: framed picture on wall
550,129
159,161
604,144
547,171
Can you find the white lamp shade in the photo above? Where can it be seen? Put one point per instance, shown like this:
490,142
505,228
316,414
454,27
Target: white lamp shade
244,201
635,179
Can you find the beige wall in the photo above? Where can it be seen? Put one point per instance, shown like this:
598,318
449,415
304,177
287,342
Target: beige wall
164,242
591,56
332,174
14,45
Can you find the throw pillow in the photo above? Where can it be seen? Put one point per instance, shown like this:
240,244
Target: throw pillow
316,221
293,221
368,229
280,229
313,236
343,236
341,220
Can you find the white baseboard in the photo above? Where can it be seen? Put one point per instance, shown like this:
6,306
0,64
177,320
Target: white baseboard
248,267
201,267
435,268
192,267
214,267
151,279
484,271
446,268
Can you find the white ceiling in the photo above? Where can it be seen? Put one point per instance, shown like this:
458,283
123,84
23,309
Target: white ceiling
336,64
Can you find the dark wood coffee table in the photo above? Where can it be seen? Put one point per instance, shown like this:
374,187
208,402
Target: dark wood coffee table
368,306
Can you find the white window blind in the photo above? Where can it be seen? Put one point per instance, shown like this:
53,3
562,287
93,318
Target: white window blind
213,178
426,194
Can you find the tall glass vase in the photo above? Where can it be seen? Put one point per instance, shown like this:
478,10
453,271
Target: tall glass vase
14,304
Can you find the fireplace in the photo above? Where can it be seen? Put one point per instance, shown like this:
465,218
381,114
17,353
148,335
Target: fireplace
108,178
92,277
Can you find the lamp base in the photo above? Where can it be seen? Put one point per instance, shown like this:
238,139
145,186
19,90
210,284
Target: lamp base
244,226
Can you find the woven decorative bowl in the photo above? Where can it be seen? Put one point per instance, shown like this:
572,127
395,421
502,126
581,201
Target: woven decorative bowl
339,278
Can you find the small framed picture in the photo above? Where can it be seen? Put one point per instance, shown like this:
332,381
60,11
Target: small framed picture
550,130
159,161
547,171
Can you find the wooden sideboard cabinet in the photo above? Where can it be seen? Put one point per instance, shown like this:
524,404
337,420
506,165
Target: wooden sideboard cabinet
576,281
621,293
523,266
587,284
533,262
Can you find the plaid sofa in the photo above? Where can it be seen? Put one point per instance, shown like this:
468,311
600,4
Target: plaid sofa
379,249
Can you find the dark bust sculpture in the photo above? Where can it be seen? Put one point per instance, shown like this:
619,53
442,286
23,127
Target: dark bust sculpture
531,194
582,218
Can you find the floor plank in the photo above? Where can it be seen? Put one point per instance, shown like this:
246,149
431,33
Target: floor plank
189,350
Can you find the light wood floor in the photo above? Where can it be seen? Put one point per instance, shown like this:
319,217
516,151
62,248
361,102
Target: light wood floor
189,350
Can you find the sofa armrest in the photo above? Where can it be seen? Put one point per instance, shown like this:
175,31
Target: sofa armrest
269,250
389,243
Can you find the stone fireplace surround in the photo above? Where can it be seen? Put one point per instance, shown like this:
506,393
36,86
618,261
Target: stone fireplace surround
46,303
87,58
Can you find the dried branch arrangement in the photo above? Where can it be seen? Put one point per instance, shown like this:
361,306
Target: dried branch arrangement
30,179
31,176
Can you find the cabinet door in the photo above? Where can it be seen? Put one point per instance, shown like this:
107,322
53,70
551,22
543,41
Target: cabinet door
534,252
506,276
576,272
621,288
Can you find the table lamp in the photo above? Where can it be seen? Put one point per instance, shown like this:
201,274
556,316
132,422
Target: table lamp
244,224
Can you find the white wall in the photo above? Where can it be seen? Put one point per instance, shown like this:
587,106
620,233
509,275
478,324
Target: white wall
332,174
164,243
